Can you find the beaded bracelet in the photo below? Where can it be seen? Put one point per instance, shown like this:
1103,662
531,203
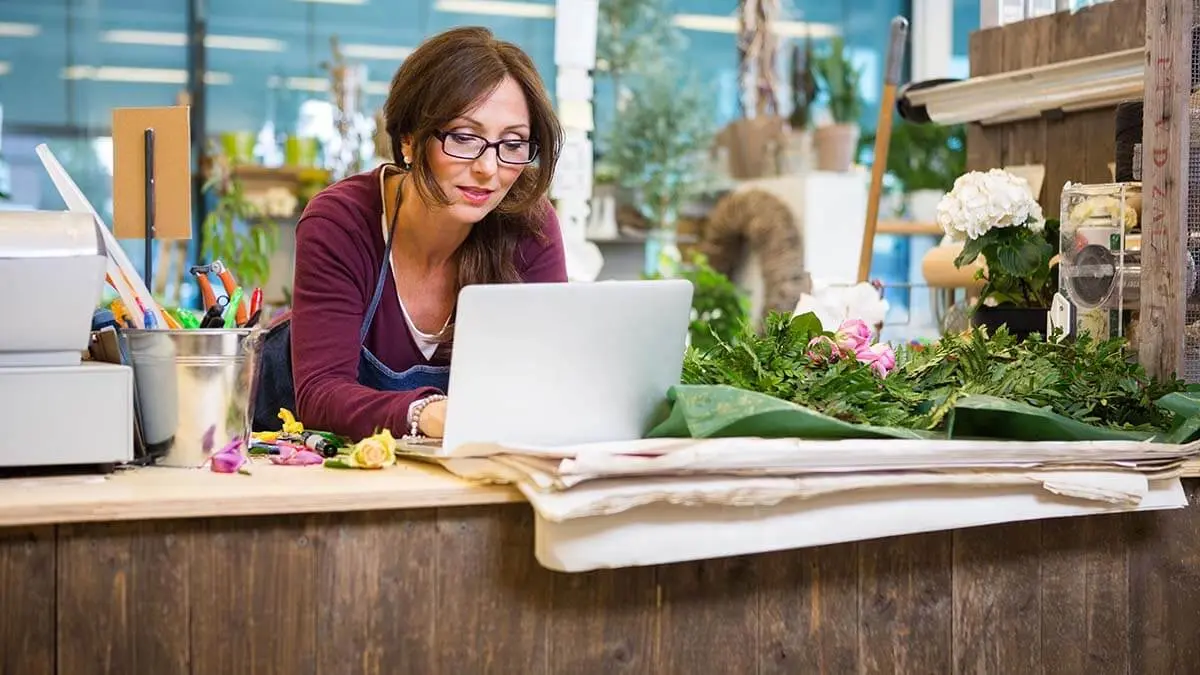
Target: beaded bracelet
414,413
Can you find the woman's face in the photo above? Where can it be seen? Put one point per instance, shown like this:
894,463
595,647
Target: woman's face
476,186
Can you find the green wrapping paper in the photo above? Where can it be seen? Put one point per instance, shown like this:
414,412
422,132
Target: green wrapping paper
715,411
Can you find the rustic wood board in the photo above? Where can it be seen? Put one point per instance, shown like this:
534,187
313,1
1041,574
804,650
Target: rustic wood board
456,590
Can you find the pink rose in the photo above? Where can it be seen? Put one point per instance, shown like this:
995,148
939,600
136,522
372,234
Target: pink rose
853,333
822,349
229,459
879,356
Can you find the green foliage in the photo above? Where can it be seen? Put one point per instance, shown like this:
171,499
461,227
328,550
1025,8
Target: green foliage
719,308
1087,380
927,156
658,142
236,234
630,33
840,79
1019,272
804,85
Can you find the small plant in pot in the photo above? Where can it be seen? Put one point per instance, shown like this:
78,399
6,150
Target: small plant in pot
926,159
658,147
839,79
995,216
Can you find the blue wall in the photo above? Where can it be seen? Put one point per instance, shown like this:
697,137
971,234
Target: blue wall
34,92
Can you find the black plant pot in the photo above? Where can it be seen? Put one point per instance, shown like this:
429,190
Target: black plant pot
1021,321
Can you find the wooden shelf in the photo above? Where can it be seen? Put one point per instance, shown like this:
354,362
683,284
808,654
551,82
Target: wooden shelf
908,227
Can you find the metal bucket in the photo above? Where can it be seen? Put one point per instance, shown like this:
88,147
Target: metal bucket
193,389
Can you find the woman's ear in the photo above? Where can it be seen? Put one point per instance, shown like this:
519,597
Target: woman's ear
406,150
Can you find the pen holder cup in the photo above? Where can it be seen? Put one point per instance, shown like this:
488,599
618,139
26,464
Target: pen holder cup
192,390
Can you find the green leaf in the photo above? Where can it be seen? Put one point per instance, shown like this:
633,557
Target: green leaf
982,416
971,250
1023,257
716,411
804,327
1184,404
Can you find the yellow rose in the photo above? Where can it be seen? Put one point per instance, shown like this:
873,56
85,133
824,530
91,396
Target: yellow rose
291,427
374,452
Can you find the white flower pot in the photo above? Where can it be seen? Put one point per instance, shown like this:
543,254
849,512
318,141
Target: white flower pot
836,145
922,205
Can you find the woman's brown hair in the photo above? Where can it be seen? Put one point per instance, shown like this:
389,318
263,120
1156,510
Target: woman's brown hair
443,78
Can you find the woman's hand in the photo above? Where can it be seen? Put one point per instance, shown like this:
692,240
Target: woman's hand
432,421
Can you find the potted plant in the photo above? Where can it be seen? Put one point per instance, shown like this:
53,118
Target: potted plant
839,79
236,231
804,93
658,148
995,216
926,159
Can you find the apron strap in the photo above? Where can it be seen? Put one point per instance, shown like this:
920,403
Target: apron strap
383,269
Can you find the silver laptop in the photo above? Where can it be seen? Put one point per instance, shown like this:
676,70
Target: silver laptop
545,365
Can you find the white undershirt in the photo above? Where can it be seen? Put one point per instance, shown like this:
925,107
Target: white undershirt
425,342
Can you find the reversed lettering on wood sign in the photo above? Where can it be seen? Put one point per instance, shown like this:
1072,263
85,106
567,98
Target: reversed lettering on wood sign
1165,184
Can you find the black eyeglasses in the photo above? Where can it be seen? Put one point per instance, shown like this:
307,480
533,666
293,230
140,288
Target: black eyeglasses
470,146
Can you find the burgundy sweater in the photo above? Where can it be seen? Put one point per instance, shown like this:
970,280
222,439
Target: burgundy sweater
339,250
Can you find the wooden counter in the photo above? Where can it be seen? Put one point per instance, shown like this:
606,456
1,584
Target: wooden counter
391,588
161,492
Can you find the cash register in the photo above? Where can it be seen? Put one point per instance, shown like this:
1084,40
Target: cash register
57,408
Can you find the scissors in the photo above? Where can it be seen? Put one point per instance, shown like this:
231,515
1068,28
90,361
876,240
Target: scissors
209,296
213,316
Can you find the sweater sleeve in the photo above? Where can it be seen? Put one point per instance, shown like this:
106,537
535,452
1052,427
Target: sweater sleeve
329,301
545,260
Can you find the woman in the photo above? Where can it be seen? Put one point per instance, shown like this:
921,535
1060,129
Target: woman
381,256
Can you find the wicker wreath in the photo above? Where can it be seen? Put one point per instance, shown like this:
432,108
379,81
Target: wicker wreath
757,222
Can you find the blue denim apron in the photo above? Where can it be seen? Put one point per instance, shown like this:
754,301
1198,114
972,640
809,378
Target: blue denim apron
372,372
274,387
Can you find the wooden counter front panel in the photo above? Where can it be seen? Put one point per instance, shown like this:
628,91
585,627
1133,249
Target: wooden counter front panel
457,592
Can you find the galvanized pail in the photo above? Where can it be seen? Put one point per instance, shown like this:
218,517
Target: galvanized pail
193,389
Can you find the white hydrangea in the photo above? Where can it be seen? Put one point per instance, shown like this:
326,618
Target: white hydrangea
982,200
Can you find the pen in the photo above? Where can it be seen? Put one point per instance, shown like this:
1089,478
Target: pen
255,301
231,309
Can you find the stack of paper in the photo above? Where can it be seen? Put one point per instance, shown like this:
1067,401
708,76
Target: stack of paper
631,503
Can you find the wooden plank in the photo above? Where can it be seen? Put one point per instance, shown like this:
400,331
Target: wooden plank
253,590
1028,44
706,603
603,622
997,607
122,599
1164,589
985,145
161,596
28,558
1085,595
1064,637
1165,184
163,493
376,593
905,608
494,597
94,631
808,605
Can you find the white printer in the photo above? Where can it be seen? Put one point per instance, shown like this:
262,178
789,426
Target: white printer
56,408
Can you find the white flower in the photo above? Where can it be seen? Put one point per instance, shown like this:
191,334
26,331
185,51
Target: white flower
981,201
835,304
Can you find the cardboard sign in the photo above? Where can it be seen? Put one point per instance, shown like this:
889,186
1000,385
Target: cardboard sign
172,172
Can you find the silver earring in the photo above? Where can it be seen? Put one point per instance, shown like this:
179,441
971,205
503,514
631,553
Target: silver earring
407,160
